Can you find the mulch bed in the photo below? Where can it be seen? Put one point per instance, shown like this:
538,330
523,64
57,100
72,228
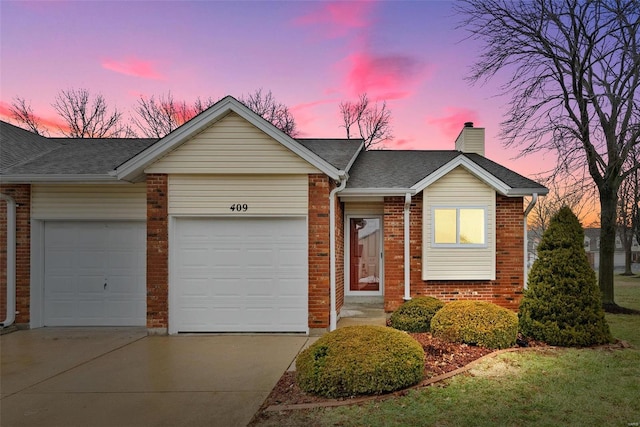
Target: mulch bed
441,357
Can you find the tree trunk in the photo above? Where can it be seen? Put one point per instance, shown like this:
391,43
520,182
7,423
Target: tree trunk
608,203
627,260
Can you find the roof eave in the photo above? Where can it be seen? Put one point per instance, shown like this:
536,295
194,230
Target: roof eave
520,192
59,178
380,192
136,165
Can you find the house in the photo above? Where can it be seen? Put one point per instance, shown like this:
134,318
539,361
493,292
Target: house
592,247
229,225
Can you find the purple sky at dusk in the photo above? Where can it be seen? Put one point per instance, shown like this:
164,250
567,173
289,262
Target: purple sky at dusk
311,55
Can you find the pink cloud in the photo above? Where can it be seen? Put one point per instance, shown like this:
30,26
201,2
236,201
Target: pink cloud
453,120
133,67
336,19
51,125
384,76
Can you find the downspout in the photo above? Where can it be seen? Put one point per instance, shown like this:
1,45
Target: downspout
342,183
11,260
534,200
407,259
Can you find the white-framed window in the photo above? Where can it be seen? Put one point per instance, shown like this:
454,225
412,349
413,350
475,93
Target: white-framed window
463,227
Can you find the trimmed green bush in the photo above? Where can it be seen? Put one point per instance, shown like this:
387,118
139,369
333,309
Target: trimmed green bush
478,323
358,360
415,315
562,305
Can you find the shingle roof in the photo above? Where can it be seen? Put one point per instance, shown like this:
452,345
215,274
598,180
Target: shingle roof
338,152
25,153
404,169
18,145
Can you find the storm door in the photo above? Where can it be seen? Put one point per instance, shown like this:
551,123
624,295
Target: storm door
365,256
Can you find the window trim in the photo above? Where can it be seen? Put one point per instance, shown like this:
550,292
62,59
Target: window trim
459,245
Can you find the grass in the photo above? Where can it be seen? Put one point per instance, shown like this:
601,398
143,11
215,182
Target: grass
550,387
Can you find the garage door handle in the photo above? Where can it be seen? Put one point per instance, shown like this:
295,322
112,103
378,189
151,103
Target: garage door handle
105,285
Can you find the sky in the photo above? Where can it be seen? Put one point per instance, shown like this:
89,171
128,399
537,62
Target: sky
311,54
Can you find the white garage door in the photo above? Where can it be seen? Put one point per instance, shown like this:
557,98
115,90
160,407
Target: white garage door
239,275
95,274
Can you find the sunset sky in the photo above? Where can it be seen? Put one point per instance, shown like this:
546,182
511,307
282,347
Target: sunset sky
311,55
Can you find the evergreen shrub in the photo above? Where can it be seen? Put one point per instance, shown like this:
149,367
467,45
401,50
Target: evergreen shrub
562,304
415,315
478,323
360,360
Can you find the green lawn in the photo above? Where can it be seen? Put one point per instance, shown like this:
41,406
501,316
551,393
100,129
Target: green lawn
553,387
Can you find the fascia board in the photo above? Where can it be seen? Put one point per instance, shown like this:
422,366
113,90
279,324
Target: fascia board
134,166
51,178
355,156
519,192
381,192
470,166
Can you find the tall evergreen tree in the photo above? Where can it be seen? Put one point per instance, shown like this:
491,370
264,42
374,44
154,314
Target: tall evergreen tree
562,304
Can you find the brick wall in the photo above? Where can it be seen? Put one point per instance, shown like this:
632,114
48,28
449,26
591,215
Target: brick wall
21,193
393,252
157,251
339,255
505,291
319,261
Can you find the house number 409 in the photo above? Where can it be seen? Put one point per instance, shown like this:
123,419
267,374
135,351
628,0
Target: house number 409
239,207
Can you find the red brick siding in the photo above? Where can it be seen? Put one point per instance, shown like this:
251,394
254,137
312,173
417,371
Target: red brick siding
339,254
505,291
319,261
157,251
21,193
393,252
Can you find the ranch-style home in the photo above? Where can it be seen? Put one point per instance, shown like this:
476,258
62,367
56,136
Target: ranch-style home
229,225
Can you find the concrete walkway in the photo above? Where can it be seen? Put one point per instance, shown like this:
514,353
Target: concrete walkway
122,377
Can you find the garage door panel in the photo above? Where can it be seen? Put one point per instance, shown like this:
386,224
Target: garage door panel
243,270
80,258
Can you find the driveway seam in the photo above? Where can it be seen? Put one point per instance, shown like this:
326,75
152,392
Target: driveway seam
72,368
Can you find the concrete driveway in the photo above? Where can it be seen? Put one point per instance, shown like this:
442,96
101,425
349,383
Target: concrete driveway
122,377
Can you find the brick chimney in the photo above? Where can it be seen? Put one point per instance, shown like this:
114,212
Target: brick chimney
471,140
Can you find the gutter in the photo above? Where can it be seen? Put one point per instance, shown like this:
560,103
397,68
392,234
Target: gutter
11,261
534,200
407,259
342,183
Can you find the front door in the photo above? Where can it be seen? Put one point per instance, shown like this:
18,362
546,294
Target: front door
365,256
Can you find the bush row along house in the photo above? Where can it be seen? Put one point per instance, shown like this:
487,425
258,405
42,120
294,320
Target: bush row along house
229,225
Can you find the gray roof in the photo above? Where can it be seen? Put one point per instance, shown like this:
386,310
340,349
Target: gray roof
25,153
18,145
405,168
339,153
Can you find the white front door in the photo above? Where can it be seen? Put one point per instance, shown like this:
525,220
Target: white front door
239,275
94,273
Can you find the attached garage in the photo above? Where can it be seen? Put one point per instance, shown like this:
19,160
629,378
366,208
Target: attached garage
239,275
94,273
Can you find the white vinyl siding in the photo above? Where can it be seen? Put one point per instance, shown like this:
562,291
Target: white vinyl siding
459,189
90,201
231,146
263,195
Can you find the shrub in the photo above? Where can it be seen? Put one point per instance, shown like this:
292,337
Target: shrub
562,304
476,322
360,360
415,315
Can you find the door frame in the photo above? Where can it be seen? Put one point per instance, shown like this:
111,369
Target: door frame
347,256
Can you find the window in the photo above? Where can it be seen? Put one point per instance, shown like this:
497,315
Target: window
459,226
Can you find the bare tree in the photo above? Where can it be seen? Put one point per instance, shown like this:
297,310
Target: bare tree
629,215
573,79
373,121
23,114
157,117
266,106
88,117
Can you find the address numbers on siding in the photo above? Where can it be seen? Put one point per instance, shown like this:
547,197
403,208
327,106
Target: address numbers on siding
239,207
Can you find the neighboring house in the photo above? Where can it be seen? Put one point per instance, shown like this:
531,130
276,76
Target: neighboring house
229,225
592,247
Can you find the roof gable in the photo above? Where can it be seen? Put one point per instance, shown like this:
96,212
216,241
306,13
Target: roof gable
134,168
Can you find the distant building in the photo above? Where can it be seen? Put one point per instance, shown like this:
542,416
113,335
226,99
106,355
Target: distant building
592,247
